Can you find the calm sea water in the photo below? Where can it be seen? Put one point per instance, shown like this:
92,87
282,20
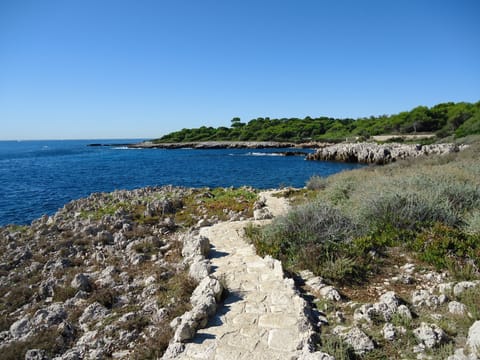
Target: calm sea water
39,177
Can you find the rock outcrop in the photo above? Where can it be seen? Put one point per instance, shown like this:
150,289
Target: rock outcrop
372,153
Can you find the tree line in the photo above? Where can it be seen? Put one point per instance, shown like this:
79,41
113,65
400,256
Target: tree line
445,119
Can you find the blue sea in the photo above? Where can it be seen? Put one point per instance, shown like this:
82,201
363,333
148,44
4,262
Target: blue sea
39,177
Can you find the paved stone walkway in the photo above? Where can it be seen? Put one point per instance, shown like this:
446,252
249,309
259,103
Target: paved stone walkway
262,318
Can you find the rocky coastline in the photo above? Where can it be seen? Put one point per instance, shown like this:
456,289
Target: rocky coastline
91,282
107,275
354,152
372,153
227,145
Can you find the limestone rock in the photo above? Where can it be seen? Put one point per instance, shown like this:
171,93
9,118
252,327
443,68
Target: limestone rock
457,308
462,286
459,354
372,153
356,338
199,269
262,214
330,293
36,354
473,339
81,282
425,298
389,332
93,312
52,315
195,245
430,335
20,327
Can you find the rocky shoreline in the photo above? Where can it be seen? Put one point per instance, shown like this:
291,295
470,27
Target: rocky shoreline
372,153
227,145
358,152
91,282
106,275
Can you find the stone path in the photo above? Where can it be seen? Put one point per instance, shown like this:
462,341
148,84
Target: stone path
262,318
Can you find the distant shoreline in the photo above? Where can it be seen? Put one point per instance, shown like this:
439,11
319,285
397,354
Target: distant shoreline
228,145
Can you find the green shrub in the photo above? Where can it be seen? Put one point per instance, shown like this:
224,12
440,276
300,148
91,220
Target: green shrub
471,298
339,349
105,296
63,293
406,210
314,236
444,247
48,340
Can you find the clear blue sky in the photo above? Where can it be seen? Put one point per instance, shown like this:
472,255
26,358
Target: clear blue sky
143,68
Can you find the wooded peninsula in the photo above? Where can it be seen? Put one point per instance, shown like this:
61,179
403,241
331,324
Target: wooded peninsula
444,120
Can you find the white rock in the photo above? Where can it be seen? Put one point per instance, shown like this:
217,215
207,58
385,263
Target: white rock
408,268
445,288
330,293
20,327
430,335
315,283
473,339
425,298
462,286
150,280
389,333
92,312
81,282
36,354
404,311
356,338
457,308
51,315
262,214
199,269
460,355
195,245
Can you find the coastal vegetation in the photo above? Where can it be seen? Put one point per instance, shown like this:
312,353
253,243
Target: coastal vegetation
429,206
443,120
355,229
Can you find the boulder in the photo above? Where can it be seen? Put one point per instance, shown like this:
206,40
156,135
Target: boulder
195,245
389,332
473,339
262,214
356,338
462,286
52,315
430,335
199,269
36,354
20,327
457,308
81,282
92,313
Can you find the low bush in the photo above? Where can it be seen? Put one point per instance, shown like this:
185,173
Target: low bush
447,247
48,340
313,236
316,183
406,210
